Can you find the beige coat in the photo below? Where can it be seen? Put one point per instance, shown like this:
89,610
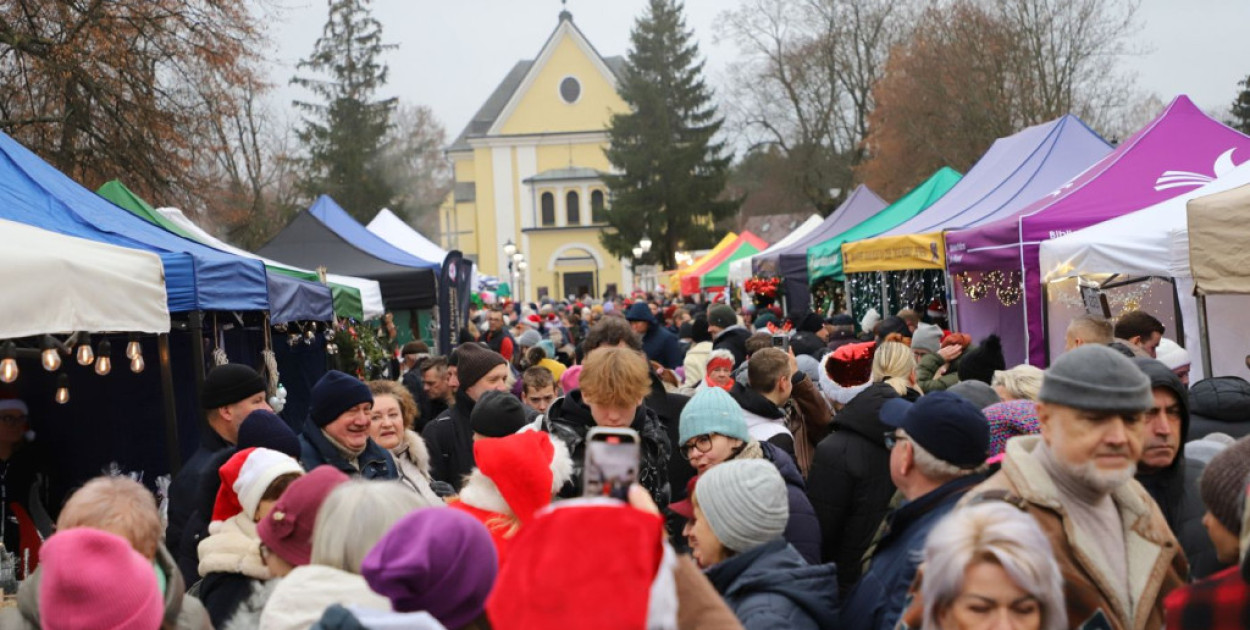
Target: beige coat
413,462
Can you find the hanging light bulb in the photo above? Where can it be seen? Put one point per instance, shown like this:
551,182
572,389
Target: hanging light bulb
292,339
8,365
136,363
51,358
133,349
103,361
85,355
62,389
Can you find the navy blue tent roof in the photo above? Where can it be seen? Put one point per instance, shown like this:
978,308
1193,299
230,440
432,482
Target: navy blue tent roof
196,277
337,219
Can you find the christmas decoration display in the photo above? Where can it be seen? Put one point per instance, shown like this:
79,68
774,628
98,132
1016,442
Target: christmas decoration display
764,291
1006,286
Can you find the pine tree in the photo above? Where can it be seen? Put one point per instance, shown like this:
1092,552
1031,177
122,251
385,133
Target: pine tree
1241,107
670,171
344,134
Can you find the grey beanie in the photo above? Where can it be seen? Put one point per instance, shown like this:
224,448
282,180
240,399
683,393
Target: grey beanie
745,503
976,392
529,338
1223,484
1096,378
927,337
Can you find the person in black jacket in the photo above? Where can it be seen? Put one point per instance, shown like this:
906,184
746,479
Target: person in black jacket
727,333
659,344
337,430
614,382
1167,474
230,393
449,437
1220,404
849,483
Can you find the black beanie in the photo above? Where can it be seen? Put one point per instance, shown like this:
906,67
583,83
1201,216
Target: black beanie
335,393
264,429
812,322
980,363
698,330
473,361
228,384
497,414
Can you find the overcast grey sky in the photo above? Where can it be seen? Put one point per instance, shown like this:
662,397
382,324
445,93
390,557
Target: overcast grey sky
453,53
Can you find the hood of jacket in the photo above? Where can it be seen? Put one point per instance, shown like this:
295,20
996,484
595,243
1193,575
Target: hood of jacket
640,312
862,414
1221,398
1161,376
776,568
754,402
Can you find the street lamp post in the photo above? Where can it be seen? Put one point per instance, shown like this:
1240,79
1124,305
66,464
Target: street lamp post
516,265
644,247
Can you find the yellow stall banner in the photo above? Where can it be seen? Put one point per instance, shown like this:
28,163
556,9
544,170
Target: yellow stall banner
895,253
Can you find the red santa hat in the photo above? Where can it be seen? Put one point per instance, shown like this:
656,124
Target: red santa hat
244,479
227,503
620,577
937,309
527,468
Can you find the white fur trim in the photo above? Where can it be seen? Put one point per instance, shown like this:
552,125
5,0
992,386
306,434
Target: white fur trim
417,452
561,464
259,470
232,546
662,605
482,493
834,391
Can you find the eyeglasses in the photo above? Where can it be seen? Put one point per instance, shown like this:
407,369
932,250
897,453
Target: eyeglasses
701,443
891,439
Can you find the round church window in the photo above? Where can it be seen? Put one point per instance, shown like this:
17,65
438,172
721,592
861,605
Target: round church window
570,90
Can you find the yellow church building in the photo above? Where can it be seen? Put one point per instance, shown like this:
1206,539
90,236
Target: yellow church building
528,173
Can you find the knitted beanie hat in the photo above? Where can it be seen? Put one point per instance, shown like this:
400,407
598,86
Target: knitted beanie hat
261,468
980,363
266,429
497,414
1172,354
474,361
435,560
712,410
1009,419
745,502
288,528
1223,484
94,580
978,393
529,338
721,316
927,337
335,393
228,384
1096,378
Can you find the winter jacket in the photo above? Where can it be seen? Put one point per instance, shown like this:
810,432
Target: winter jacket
230,563
839,339
661,346
501,342
338,617
317,450
569,419
299,598
699,606
449,439
766,421
803,529
927,369
182,611
247,615
1221,602
808,416
849,483
412,461
1220,404
695,363
1175,488
733,339
877,600
771,586
1155,562
184,494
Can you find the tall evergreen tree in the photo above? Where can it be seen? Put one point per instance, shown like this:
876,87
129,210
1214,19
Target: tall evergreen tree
344,134
1241,107
670,170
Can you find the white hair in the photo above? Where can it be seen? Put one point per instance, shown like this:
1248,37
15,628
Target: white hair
354,517
1021,382
995,532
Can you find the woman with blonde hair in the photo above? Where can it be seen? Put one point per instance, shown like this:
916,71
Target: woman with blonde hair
990,564
1022,382
849,481
391,420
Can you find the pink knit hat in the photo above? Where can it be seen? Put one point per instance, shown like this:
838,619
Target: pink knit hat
288,528
94,580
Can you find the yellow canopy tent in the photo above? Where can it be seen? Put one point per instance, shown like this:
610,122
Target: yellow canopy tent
674,279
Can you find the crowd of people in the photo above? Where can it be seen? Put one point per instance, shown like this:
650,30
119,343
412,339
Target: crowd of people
808,472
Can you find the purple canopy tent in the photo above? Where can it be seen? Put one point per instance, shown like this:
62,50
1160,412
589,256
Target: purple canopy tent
1181,149
791,263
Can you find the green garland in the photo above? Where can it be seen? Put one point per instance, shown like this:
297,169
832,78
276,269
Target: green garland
363,350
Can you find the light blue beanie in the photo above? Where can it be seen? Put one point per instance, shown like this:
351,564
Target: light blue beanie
712,410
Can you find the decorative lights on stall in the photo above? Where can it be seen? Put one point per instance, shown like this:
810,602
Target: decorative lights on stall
51,355
84,353
8,365
62,389
54,352
1006,286
104,358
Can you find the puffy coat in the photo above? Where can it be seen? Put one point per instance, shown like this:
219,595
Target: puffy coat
300,597
569,419
1220,404
317,450
771,587
412,460
877,600
849,483
733,339
803,528
231,564
449,439
927,369
695,363
1175,488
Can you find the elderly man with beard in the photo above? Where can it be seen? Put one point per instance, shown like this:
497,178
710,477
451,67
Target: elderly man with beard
1118,557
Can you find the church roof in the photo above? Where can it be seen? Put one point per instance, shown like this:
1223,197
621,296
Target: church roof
563,175
489,112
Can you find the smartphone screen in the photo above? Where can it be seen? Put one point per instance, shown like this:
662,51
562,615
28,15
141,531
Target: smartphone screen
612,460
781,341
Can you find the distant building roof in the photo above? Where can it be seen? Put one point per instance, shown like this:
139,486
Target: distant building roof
772,227
563,175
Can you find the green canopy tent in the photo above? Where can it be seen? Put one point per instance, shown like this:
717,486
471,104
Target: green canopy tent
347,300
824,260
719,275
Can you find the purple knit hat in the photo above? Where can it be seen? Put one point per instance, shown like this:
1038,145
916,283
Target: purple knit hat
1009,419
438,560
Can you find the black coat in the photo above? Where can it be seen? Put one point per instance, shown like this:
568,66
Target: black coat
569,419
449,438
184,494
733,339
662,346
849,482
803,528
1219,405
316,450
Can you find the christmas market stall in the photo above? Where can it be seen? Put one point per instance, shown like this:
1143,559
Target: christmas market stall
740,270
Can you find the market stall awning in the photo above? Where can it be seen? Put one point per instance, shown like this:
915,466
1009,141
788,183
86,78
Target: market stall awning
692,280
719,275
674,279
61,284
1219,229
387,226
1014,172
197,277
824,260
291,297
326,236
740,270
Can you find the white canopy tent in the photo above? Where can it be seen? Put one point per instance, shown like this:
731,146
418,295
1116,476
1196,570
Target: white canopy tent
1154,241
370,291
61,284
740,270
392,229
